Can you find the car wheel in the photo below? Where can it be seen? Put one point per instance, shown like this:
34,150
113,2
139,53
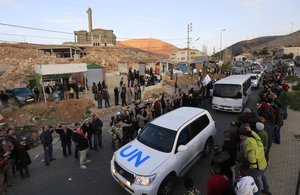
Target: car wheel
167,186
208,147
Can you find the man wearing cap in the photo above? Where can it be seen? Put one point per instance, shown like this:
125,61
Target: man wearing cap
262,134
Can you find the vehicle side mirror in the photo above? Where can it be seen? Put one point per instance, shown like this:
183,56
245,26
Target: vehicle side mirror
182,148
139,131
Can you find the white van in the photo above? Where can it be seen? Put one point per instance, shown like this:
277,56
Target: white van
164,150
231,93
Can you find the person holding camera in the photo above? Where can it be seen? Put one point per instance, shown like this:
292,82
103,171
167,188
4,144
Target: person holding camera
65,135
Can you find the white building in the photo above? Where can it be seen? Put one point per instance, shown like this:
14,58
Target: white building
287,50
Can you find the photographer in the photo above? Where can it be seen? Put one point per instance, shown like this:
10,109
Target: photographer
65,135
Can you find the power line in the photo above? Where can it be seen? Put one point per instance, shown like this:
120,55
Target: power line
32,28
19,35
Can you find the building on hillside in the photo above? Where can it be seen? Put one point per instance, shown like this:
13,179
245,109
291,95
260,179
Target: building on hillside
239,58
67,52
95,37
279,52
185,57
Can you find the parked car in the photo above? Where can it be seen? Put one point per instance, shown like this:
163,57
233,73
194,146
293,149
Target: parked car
163,151
23,95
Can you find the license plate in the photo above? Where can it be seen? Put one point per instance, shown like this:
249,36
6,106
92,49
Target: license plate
30,100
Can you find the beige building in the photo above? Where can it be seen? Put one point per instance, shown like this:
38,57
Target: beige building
287,50
95,37
185,55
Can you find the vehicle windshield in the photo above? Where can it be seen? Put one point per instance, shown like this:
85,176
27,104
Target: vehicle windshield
253,77
157,137
227,91
19,91
256,71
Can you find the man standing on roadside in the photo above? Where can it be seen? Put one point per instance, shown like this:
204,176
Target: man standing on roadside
65,135
4,99
97,131
46,139
83,145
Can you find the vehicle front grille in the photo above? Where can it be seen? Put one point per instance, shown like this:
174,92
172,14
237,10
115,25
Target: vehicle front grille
128,176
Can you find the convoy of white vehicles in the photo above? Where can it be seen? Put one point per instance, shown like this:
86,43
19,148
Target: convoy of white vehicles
231,93
167,147
164,150
254,80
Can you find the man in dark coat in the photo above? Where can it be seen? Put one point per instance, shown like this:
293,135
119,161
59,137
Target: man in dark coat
13,138
4,99
116,94
46,139
270,131
97,131
87,130
23,158
65,135
123,95
106,98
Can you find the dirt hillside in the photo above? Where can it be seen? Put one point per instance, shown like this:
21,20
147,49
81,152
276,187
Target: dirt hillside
150,45
18,60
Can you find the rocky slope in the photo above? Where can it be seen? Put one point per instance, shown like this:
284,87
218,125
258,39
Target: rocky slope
18,60
269,42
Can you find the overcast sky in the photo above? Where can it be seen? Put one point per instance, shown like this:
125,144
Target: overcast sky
161,19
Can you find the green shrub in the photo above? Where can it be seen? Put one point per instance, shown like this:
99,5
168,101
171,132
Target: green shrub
294,100
292,78
296,87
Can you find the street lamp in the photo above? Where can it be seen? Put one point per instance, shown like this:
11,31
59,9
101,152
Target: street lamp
221,44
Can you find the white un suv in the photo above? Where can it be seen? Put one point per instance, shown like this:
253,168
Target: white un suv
164,150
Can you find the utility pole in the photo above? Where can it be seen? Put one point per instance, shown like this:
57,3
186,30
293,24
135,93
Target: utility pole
221,44
189,29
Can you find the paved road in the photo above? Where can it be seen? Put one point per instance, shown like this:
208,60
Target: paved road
64,176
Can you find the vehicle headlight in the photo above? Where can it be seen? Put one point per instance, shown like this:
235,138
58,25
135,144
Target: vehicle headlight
144,180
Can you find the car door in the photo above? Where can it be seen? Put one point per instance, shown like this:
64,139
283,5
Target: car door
183,158
198,134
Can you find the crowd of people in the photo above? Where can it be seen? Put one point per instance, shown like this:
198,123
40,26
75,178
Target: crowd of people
13,148
237,167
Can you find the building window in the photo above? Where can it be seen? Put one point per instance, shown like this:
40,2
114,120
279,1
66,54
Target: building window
182,58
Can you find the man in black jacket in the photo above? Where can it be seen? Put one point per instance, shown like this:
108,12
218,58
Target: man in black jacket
65,135
46,139
97,131
4,99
